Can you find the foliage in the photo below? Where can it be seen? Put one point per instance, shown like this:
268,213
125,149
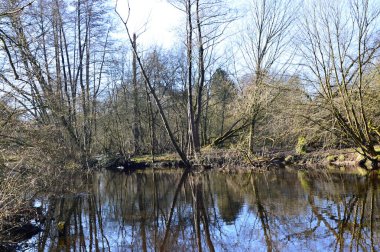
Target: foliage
301,145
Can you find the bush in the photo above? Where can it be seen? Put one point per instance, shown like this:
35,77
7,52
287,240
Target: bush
301,145
331,158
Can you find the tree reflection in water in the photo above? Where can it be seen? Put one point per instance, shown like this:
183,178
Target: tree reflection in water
171,211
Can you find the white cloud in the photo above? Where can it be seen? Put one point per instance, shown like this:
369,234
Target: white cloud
155,19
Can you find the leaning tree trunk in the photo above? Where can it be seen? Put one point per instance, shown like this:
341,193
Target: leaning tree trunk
158,103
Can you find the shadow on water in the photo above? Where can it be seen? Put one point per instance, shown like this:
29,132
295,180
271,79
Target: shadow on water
157,211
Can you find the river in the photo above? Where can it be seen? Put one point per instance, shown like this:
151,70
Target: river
169,211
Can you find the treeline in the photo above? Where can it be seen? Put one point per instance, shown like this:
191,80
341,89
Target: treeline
292,71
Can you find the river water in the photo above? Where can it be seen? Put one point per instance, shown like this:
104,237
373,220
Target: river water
172,211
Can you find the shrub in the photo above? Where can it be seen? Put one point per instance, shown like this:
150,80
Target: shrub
331,158
301,145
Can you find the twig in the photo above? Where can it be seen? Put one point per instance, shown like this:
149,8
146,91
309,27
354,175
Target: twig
17,10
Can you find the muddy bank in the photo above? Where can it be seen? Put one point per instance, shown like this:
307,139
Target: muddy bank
120,163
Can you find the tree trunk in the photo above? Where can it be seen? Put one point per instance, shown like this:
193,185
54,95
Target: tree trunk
151,123
135,128
201,79
192,130
205,139
252,134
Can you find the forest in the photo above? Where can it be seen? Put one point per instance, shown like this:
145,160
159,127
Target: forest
243,82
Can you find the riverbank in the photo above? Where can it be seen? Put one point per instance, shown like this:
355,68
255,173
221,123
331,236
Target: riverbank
238,161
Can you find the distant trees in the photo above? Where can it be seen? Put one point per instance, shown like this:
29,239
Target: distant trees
153,92
205,27
164,68
223,92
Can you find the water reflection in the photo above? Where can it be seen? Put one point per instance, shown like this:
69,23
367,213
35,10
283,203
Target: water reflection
282,211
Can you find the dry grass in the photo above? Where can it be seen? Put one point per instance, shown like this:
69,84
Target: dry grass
166,157
17,188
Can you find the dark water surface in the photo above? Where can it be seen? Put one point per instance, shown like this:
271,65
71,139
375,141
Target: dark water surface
275,211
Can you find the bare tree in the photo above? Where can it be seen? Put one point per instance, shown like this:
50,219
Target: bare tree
55,72
206,22
264,41
340,46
